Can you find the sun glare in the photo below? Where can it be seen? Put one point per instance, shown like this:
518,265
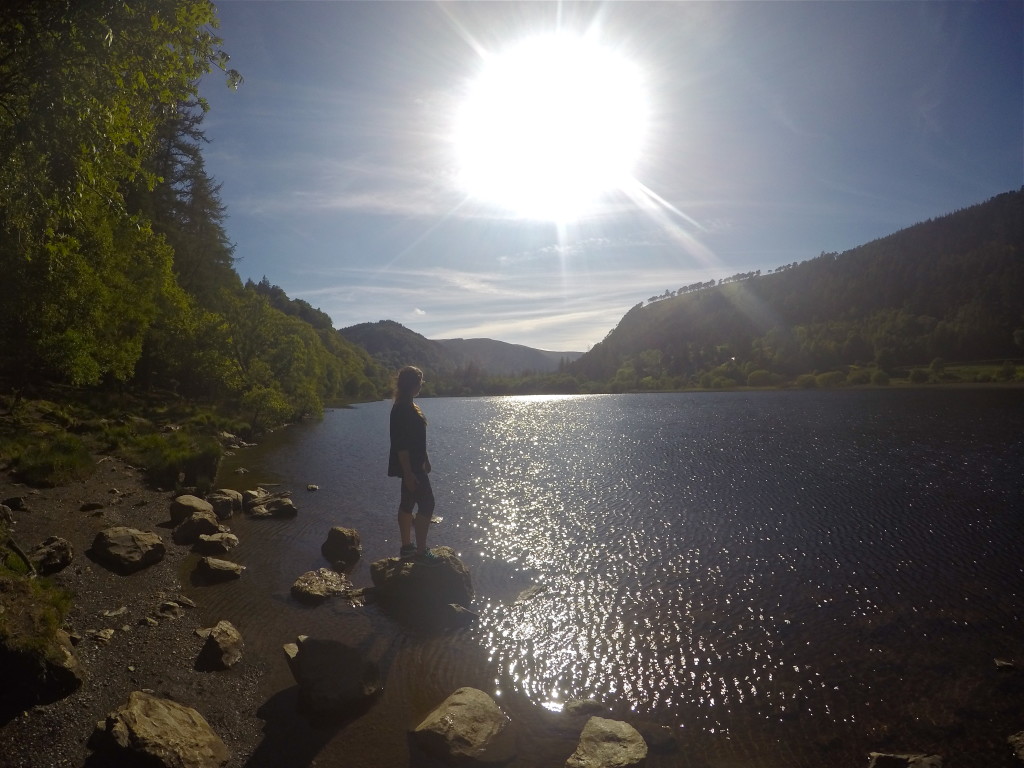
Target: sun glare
550,127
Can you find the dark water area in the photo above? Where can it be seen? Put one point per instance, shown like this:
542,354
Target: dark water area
783,578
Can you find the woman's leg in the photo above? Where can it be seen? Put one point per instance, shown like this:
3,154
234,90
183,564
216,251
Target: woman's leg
424,510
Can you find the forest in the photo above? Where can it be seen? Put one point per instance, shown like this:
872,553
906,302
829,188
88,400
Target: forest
118,272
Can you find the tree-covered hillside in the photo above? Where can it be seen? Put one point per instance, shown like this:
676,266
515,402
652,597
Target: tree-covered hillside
117,269
949,289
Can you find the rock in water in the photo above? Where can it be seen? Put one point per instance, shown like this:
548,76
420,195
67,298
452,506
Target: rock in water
342,548
223,647
216,543
314,587
462,727
608,744
199,523
214,569
333,677
225,502
409,583
155,731
127,550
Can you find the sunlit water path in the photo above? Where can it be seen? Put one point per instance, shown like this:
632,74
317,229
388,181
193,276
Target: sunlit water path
784,577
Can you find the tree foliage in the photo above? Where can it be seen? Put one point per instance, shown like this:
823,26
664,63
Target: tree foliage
117,267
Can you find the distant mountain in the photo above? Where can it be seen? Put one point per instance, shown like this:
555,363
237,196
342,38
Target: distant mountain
950,288
394,345
501,358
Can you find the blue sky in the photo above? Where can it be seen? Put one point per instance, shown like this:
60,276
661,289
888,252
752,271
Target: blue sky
777,130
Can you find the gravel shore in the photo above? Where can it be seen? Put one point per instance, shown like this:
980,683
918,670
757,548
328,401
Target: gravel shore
154,645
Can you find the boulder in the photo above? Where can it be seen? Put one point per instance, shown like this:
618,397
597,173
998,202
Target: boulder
342,548
127,550
333,677
608,744
15,504
883,760
200,522
183,507
462,727
251,497
225,502
316,586
216,543
222,649
148,730
422,585
52,555
212,569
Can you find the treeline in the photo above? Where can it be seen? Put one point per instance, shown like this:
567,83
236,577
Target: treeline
117,269
947,289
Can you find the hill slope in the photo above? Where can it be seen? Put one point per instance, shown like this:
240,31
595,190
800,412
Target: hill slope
951,288
394,345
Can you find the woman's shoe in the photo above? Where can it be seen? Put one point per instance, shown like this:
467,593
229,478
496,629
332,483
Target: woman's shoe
407,552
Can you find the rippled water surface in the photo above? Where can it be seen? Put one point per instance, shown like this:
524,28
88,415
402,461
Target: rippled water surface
782,578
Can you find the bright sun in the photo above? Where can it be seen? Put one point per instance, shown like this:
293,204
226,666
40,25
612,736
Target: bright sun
550,126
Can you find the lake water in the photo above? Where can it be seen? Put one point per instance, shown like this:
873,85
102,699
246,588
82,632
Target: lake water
783,578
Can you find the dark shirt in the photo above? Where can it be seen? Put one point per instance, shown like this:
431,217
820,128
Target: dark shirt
408,433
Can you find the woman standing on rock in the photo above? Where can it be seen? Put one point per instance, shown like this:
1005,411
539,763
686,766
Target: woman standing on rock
408,460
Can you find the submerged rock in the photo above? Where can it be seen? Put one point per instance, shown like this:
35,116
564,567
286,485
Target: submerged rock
214,569
316,586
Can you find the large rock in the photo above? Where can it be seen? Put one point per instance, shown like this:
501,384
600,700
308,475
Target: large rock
274,506
213,569
316,586
462,727
225,502
158,732
342,548
222,649
127,550
424,586
608,744
185,505
52,555
333,677
199,523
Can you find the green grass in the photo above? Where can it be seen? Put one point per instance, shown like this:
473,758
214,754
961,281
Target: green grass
55,459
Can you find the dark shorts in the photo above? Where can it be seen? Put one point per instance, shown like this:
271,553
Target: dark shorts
422,499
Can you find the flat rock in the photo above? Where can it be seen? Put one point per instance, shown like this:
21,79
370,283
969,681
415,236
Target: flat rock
153,731
127,550
316,586
215,569
216,543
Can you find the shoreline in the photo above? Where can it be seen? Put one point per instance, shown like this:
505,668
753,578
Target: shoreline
140,654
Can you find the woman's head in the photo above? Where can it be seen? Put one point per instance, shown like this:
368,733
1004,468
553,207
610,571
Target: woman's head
410,379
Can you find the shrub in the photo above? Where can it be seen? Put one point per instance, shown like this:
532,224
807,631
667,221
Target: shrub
858,377
59,459
806,381
174,459
880,379
919,376
830,379
759,378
